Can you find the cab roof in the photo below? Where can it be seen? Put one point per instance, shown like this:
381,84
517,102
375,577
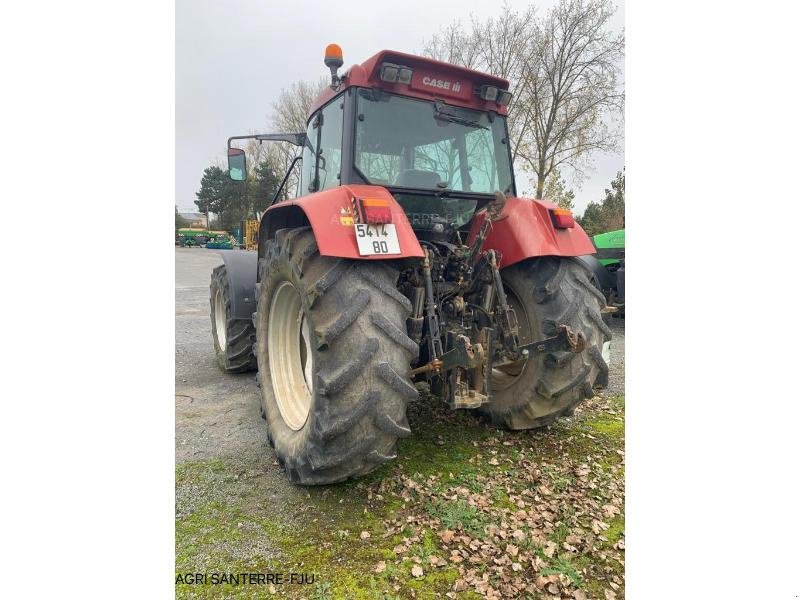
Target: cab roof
431,79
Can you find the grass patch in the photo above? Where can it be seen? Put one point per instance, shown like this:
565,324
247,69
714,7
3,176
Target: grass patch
559,480
615,530
560,533
501,500
562,565
608,426
459,515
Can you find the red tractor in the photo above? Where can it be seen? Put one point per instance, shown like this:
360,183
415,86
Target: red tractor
407,256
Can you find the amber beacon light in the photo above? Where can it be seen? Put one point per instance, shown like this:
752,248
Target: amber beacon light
333,60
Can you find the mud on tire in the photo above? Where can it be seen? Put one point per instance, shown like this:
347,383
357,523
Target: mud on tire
546,292
360,356
233,338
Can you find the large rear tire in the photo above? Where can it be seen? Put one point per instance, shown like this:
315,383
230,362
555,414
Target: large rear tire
233,338
333,359
545,293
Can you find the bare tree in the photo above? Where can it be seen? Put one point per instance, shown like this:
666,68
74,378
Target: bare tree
498,46
572,77
289,115
564,70
454,45
255,153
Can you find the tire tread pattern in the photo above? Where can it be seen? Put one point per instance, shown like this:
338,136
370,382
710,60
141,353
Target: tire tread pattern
362,361
559,292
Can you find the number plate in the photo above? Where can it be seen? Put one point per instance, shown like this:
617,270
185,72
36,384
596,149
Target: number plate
377,239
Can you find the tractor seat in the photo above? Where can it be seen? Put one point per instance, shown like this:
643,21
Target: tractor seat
418,178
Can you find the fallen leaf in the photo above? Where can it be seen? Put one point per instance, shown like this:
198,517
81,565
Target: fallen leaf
598,526
493,462
365,535
550,549
416,571
579,595
516,566
447,536
610,510
610,595
437,561
380,567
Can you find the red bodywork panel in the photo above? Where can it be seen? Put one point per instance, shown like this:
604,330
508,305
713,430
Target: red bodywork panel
526,230
330,213
431,79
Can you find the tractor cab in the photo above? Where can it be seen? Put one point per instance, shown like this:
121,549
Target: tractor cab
433,134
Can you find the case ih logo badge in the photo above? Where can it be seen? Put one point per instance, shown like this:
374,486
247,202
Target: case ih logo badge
442,84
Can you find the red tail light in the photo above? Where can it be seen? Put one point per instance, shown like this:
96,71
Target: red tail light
373,210
562,218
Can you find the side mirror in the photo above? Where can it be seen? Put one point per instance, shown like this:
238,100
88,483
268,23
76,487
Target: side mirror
237,167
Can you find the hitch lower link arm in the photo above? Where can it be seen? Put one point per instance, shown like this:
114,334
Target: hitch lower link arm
565,340
468,356
434,338
506,317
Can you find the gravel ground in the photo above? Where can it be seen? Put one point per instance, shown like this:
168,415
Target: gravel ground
236,512
616,375
216,414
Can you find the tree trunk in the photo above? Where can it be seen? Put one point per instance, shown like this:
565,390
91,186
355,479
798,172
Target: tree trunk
539,187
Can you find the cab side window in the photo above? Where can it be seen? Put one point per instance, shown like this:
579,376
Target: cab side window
330,146
322,154
307,184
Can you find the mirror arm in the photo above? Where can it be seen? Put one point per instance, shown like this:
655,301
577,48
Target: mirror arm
297,139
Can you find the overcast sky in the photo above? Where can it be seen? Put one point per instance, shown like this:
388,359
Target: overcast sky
233,57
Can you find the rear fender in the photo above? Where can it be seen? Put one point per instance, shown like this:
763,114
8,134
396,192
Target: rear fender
242,269
525,230
329,213
603,277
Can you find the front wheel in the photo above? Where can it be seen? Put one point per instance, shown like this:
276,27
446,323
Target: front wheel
233,338
546,293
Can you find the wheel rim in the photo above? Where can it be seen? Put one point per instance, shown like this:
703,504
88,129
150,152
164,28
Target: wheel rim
291,362
505,376
219,319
